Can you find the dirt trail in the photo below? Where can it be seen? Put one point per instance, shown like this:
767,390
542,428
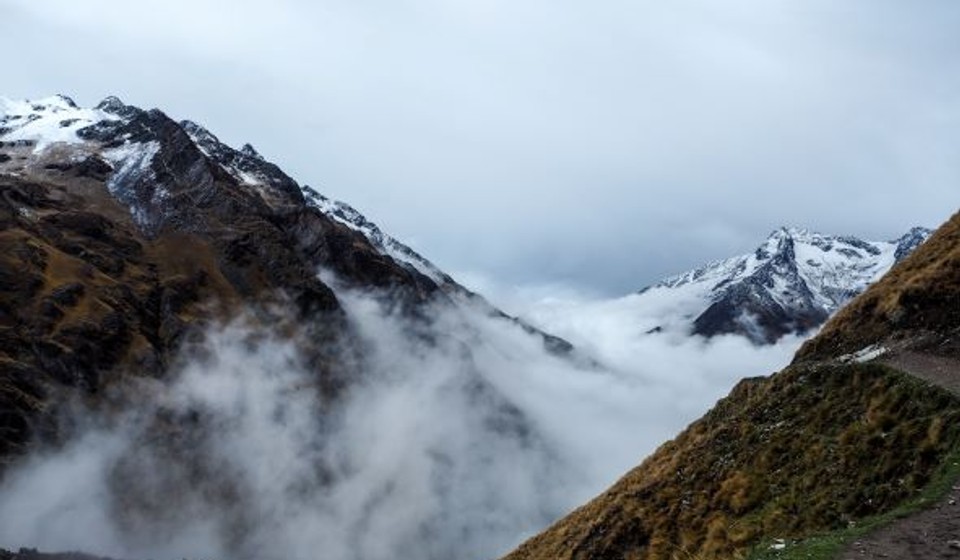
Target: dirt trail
933,533
941,371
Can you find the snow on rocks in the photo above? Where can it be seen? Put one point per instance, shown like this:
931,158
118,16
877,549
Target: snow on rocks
866,354
350,217
46,121
122,135
791,283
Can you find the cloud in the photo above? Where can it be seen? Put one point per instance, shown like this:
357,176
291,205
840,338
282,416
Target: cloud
603,145
455,437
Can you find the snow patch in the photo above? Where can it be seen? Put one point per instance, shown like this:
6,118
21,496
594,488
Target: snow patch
350,217
46,121
865,354
131,162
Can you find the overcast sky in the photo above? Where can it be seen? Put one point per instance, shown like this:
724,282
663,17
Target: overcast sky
599,145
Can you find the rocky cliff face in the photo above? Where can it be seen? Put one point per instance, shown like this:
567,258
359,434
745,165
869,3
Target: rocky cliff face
791,284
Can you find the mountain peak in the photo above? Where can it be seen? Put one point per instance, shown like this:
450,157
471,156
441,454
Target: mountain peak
150,161
114,106
791,283
789,232
110,102
249,151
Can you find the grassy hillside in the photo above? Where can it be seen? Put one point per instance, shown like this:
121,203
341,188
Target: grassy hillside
810,449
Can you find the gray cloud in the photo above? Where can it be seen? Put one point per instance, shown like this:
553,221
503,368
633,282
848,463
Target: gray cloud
602,145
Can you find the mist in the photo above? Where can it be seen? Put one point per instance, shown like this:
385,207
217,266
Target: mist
456,437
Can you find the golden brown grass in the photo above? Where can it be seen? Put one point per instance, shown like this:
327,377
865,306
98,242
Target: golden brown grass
807,450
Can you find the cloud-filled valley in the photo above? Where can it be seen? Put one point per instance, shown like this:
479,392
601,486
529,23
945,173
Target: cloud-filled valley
456,437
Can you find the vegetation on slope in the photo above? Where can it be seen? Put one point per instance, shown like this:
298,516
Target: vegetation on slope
809,449
87,297
830,544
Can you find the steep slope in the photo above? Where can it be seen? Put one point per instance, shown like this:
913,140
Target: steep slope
791,284
817,446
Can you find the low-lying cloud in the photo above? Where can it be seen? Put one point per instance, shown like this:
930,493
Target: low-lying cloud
456,438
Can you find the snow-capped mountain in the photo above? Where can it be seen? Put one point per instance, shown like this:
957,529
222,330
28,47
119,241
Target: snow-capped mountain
135,249
115,132
792,283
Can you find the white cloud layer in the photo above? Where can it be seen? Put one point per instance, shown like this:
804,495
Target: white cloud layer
457,438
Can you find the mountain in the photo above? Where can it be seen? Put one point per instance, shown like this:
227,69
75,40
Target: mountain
860,430
148,270
791,284
125,233
127,145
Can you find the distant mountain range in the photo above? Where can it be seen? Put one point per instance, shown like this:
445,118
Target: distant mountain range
792,283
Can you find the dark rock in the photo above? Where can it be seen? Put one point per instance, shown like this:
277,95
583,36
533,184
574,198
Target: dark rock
68,294
94,167
283,189
251,152
66,99
114,106
910,241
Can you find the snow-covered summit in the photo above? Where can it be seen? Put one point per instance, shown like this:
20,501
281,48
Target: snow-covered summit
46,121
138,150
791,283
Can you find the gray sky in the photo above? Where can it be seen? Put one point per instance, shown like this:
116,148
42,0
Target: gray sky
599,145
